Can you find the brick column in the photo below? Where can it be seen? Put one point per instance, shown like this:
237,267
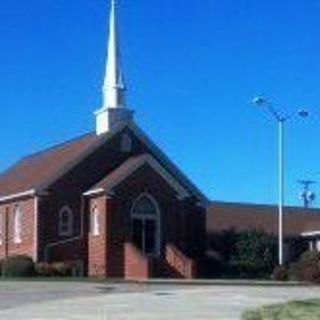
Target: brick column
97,244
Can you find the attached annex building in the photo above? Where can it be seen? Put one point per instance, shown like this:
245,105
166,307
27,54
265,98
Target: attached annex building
110,200
300,225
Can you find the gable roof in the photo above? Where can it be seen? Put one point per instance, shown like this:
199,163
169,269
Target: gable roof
40,170
242,217
130,166
31,171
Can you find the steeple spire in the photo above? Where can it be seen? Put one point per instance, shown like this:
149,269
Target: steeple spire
114,87
113,111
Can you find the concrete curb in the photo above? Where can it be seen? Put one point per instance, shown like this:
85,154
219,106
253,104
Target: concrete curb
175,282
222,282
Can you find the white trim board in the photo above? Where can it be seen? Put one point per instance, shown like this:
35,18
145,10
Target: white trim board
310,233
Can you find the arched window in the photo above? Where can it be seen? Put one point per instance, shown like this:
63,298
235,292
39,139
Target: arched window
94,221
126,143
145,216
17,225
66,222
144,205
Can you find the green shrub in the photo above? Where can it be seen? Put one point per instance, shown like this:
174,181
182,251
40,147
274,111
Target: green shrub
256,247
280,273
242,254
307,268
254,255
44,269
62,269
250,269
18,266
54,269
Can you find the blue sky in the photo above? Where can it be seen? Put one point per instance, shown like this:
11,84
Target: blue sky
191,68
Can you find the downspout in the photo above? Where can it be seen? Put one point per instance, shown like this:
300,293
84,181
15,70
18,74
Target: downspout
82,212
35,226
6,240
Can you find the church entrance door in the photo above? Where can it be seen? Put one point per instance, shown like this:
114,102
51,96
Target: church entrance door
146,225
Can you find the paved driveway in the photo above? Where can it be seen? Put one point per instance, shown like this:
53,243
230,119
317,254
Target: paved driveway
86,301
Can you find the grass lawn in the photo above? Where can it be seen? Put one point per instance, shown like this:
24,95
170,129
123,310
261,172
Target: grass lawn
302,310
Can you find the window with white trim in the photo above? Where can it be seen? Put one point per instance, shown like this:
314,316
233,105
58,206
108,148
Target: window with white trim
17,225
94,219
65,222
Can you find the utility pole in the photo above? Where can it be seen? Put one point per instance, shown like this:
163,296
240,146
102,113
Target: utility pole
306,194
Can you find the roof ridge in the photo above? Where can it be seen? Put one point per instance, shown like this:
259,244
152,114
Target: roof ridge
266,205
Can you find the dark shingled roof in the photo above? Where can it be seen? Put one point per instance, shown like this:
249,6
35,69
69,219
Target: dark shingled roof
39,170
240,216
34,169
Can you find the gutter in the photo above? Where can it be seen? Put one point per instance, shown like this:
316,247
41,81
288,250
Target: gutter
30,192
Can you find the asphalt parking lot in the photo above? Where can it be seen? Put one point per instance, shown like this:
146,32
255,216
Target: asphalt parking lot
18,294
112,301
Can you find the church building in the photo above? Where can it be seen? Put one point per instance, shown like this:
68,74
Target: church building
109,201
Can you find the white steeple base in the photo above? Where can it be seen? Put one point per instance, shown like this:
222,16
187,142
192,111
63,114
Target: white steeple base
107,119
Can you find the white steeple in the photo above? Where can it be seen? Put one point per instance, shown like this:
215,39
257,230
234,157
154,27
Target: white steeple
113,111
113,88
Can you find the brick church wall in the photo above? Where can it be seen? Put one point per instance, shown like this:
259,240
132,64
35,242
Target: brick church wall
52,246
8,246
145,180
68,191
181,220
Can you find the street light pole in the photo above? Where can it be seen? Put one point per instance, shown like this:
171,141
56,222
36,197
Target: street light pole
281,118
281,188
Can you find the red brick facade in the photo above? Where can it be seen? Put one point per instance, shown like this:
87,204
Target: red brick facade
97,244
112,253
108,250
136,265
10,245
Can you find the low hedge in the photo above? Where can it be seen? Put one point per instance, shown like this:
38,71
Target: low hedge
250,270
18,266
23,266
54,269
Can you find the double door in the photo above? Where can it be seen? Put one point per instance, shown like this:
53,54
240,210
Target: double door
145,235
